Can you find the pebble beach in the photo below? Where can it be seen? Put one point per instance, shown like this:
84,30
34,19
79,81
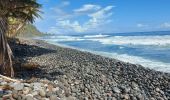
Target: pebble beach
50,72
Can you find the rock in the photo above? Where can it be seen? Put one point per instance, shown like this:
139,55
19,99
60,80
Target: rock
68,98
113,98
48,94
37,97
125,89
34,93
3,83
37,86
23,96
19,97
54,97
7,96
135,86
42,93
26,90
84,76
97,93
157,89
18,86
27,85
125,96
160,98
29,97
55,89
77,82
152,98
116,90
140,97
50,87
15,94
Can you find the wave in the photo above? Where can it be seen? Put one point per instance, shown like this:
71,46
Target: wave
116,40
152,64
95,36
62,38
135,40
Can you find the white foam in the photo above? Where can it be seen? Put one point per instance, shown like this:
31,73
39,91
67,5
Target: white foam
117,40
95,36
63,38
135,40
152,64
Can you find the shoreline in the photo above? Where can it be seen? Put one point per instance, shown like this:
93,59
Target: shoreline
81,75
146,63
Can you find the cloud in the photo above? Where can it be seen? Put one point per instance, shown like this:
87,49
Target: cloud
103,13
65,3
87,8
58,12
96,19
140,25
165,25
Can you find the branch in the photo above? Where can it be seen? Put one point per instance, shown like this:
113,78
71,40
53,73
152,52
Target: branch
10,79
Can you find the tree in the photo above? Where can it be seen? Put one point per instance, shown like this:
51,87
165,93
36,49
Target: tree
22,12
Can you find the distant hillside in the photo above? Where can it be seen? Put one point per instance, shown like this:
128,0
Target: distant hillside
29,31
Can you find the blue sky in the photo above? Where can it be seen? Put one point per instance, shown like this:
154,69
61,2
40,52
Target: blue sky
103,16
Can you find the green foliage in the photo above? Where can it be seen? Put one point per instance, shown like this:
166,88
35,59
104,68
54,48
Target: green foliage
29,30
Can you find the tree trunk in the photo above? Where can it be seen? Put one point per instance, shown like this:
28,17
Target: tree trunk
6,67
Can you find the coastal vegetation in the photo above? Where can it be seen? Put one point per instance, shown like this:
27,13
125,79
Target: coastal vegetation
28,31
14,14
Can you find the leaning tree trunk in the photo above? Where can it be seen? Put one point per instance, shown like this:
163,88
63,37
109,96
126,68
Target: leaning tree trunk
6,67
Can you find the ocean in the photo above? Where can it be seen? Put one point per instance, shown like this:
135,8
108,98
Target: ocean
149,49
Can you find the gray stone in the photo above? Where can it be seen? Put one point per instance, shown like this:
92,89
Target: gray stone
140,97
3,83
29,97
86,98
19,97
15,94
48,94
42,93
55,89
26,84
68,98
25,90
116,90
34,93
135,86
23,96
18,86
54,97
113,98
37,86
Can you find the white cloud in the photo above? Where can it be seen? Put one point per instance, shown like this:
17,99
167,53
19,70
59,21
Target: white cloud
165,25
103,13
74,26
140,25
65,3
96,21
87,8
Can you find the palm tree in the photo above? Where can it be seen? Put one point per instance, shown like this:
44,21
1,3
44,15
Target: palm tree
24,11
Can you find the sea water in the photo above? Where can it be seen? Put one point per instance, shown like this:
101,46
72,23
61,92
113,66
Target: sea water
150,49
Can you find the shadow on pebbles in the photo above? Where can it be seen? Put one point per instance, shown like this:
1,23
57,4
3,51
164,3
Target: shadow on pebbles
55,73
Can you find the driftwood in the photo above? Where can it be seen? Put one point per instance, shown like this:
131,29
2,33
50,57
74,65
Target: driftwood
9,79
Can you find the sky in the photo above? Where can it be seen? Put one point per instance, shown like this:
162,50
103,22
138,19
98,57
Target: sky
103,16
